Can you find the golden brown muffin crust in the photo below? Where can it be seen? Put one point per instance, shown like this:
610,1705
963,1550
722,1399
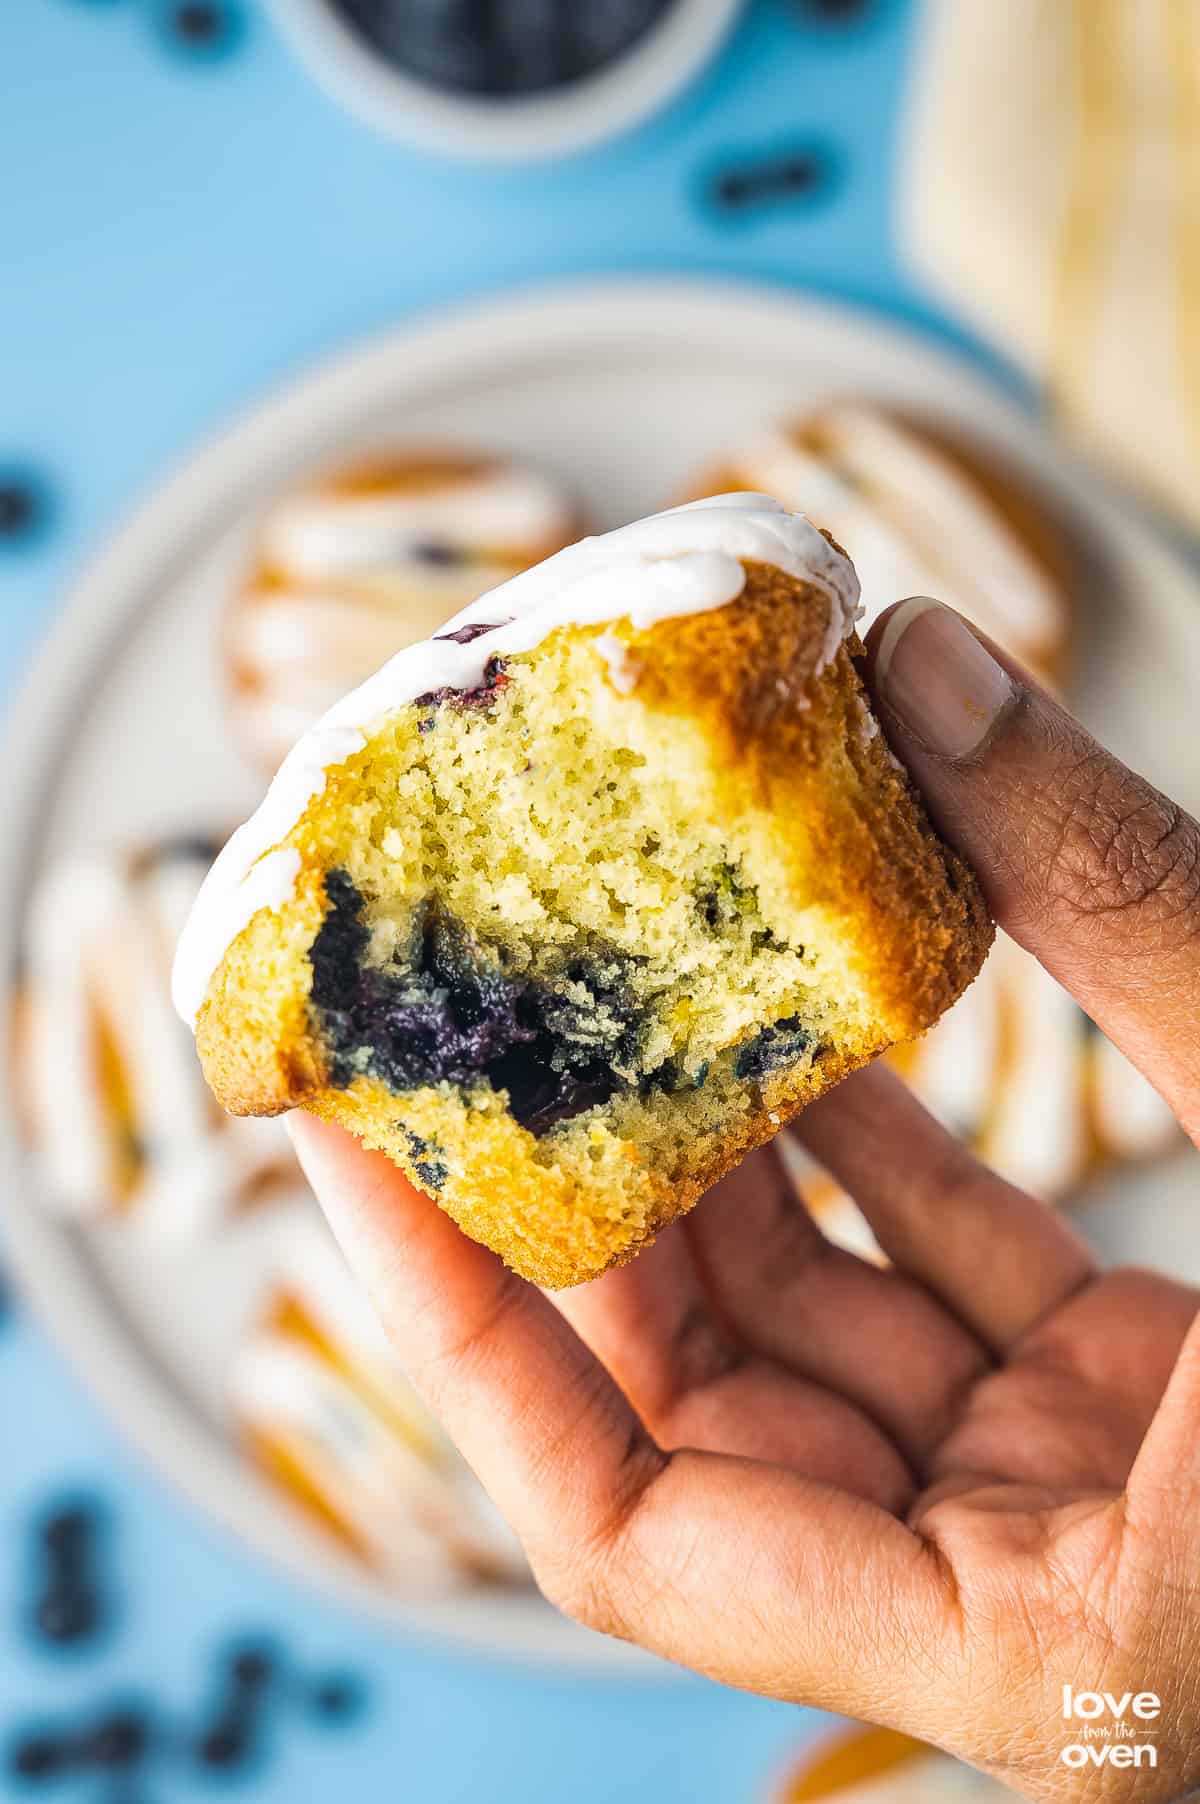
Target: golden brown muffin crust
789,746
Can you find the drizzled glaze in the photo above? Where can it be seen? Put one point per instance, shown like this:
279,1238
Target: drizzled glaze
688,560
914,521
1016,1069
350,569
355,531
319,1381
103,1041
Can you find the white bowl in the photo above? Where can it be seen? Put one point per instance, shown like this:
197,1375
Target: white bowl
516,127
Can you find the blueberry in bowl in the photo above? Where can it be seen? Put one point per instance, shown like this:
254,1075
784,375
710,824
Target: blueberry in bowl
507,78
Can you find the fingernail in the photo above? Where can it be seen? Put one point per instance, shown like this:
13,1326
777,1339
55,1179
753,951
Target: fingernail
934,674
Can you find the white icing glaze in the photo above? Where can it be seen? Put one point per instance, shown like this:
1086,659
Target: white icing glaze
1016,1069
839,1218
955,1071
327,532
313,1272
60,1062
100,938
347,575
913,522
1131,1117
312,631
624,666
293,653
1037,1132
388,1473
395,1505
686,561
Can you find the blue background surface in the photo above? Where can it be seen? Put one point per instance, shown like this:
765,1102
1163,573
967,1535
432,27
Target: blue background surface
178,234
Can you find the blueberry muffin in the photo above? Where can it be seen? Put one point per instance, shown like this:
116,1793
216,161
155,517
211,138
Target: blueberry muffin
363,561
328,1414
95,1024
569,907
922,511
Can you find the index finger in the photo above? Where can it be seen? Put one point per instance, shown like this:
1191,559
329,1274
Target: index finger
1083,861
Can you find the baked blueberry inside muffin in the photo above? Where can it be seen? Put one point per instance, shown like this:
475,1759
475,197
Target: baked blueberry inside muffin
572,905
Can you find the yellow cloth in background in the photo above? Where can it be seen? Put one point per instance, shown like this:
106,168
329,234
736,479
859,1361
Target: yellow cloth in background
1050,192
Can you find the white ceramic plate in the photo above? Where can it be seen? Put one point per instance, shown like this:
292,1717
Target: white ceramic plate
628,389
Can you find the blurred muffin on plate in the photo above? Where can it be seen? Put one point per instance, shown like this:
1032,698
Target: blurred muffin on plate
1015,1067
1019,1072
329,1415
922,511
861,1765
118,1117
364,560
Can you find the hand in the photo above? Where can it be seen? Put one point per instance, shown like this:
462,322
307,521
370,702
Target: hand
929,1496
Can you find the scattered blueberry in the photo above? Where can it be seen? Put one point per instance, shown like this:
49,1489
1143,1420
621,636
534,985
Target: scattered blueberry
252,1668
224,1746
203,28
119,1740
67,1616
803,173
336,1698
69,1607
835,12
40,1756
24,506
502,47
798,174
231,1738
733,190
68,1531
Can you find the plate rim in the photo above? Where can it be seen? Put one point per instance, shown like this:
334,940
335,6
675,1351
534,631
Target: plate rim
187,508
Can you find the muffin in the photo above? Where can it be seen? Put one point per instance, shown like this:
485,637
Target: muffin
363,561
571,906
921,511
1020,1072
862,1765
1016,1068
326,1411
119,1117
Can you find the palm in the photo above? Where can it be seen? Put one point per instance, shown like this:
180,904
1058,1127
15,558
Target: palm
999,1446
1064,1416
755,1448
765,1341
929,1495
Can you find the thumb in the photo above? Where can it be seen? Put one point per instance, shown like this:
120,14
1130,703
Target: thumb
1082,861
